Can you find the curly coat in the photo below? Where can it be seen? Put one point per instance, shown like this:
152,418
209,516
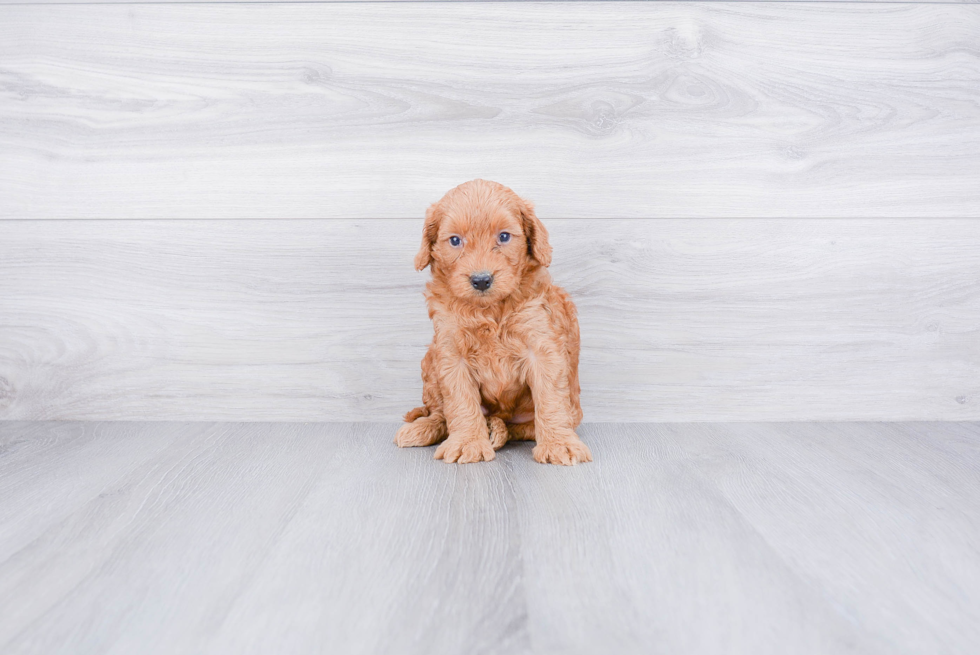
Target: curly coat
503,363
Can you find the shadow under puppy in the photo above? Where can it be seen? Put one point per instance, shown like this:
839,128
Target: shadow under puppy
503,363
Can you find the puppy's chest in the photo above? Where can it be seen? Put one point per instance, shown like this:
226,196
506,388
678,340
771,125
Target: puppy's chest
496,355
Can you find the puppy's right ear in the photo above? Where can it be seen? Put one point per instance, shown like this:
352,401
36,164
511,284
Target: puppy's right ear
430,232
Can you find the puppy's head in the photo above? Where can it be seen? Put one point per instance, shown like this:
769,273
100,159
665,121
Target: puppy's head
481,239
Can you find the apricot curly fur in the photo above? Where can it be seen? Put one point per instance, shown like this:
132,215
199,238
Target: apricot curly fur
503,362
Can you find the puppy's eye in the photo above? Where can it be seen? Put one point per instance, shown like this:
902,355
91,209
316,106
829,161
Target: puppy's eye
454,241
504,237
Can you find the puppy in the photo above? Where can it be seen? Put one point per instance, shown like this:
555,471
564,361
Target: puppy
503,363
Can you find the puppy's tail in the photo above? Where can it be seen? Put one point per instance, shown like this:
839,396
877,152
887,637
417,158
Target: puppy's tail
418,412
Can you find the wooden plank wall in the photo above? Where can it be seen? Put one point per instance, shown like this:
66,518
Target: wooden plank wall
373,110
765,211
317,320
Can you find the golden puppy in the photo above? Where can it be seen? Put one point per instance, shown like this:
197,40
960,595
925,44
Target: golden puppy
503,363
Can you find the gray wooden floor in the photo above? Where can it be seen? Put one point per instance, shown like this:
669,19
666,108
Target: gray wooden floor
305,538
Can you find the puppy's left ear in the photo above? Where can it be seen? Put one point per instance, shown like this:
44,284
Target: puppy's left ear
537,236
430,232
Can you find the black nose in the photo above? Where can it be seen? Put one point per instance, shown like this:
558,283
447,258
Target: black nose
481,281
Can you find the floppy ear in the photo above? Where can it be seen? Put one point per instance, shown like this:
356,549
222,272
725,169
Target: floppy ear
537,236
429,235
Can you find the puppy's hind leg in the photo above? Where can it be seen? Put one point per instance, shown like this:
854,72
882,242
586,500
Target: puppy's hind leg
413,414
521,431
498,432
425,425
422,431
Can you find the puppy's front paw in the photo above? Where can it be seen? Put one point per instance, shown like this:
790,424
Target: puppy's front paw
465,451
567,450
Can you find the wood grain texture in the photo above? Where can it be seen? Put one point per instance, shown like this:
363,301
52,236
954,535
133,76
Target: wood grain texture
594,110
682,320
909,487
695,538
33,458
667,560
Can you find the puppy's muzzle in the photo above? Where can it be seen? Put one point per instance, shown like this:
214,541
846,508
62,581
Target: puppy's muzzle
481,281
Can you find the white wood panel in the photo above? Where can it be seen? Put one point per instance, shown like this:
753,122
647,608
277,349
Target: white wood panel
326,538
373,110
682,320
